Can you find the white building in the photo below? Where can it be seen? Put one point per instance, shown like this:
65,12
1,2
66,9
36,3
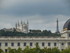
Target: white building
19,27
22,27
16,42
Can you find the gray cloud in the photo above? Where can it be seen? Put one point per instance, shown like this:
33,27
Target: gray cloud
42,14
37,8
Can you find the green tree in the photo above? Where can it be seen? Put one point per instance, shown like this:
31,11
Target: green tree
19,50
37,49
11,50
26,50
55,50
66,50
1,51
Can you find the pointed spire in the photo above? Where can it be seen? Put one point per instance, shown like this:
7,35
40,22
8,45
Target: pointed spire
27,26
57,27
27,22
21,22
18,23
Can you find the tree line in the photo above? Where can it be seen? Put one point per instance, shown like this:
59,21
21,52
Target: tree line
37,49
30,33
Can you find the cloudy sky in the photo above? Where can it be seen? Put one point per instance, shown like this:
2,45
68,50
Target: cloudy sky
41,14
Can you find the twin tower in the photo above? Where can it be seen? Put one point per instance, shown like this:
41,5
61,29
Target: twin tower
22,27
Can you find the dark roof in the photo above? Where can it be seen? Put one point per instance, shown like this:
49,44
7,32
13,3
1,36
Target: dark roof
67,25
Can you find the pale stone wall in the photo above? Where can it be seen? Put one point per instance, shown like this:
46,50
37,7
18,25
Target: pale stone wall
29,40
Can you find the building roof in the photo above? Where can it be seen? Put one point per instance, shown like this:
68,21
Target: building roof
67,25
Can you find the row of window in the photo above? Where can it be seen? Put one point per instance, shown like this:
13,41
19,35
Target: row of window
12,44
18,44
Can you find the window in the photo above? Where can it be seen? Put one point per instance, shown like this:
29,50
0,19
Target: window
68,43
0,44
6,44
30,44
18,44
43,44
69,35
49,44
25,44
6,50
55,44
12,44
62,43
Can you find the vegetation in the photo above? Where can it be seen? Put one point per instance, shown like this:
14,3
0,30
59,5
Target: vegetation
31,33
37,49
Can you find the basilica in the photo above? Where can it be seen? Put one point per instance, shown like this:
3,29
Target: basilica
22,27
19,27
61,43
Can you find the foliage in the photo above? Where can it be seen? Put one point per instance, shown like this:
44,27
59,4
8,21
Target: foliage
1,51
66,50
36,50
11,50
55,50
32,33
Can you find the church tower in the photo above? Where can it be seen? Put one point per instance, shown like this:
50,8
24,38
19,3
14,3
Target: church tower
22,27
27,26
57,26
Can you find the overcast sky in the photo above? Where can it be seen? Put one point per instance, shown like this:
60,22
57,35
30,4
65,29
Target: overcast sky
41,14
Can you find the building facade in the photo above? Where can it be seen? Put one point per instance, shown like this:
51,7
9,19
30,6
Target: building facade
22,27
19,27
61,43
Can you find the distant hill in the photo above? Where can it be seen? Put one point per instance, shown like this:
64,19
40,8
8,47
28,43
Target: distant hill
31,33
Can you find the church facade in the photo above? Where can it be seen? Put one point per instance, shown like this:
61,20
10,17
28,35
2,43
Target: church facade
19,27
61,43
22,27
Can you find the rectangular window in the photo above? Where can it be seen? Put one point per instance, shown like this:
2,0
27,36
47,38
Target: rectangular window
49,44
68,43
30,44
62,43
6,50
12,44
55,44
6,44
0,44
69,35
25,44
18,44
43,44
62,49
